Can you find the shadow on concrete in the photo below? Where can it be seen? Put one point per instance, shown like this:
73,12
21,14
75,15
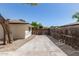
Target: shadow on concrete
65,48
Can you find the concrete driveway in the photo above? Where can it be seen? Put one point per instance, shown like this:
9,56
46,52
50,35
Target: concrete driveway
41,45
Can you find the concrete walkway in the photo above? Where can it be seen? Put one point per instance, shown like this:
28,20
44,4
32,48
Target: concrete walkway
41,45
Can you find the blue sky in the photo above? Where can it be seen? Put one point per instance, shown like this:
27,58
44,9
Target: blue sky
46,13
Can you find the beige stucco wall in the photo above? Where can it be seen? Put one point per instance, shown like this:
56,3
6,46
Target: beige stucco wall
1,32
18,31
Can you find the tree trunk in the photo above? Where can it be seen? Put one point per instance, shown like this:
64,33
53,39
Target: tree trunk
7,33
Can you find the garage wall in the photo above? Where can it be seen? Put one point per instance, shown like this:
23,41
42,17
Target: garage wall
20,30
1,32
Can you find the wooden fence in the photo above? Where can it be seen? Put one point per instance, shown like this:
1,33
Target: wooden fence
40,31
69,36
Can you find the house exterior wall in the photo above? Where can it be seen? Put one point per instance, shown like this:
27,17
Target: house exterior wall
1,32
18,31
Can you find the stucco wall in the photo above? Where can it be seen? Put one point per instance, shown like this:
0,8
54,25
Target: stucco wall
1,32
18,31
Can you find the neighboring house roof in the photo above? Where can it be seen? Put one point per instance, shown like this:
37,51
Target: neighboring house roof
19,22
71,24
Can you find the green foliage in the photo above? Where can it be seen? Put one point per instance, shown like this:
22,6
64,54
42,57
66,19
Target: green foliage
76,15
34,24
40,25
37,25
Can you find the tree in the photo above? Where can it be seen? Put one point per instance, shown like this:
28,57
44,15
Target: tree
34,24
6,29
37,25
40,25
76,15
